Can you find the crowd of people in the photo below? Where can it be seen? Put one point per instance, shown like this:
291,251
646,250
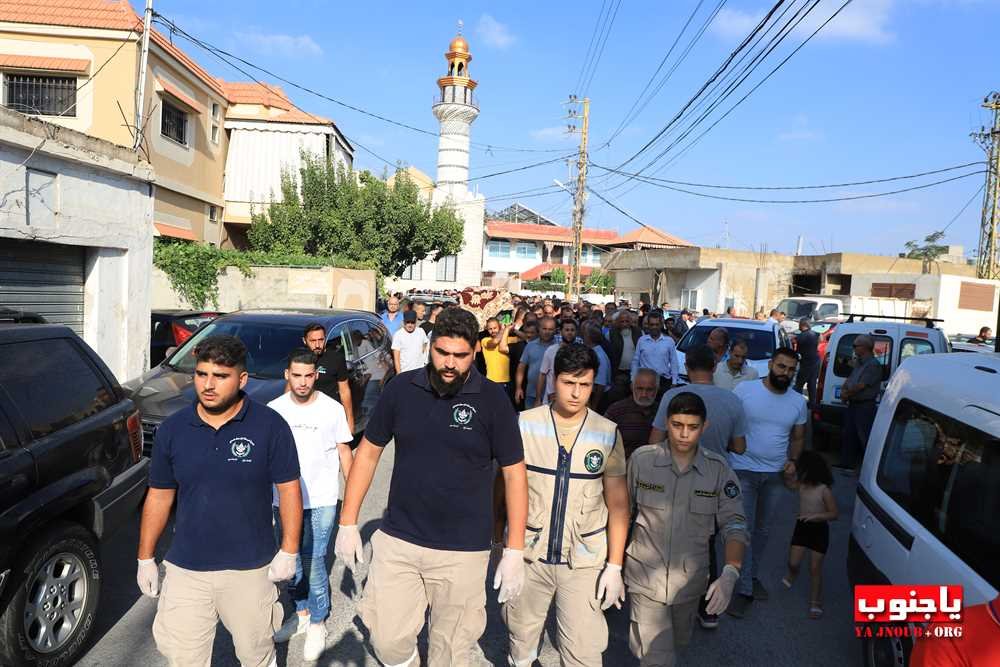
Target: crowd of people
555,444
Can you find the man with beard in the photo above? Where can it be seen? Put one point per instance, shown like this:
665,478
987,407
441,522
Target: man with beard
219,458
656,351
433,546
332,377
775,435
634,414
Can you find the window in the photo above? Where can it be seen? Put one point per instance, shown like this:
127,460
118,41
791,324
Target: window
826,310
760,342
213,214
499,248
216,111
527,250
267,346
173,123
447,268
40,95
894,290
72,391
976,296
911,347
946,475
843,362
689,299
413,272
216,117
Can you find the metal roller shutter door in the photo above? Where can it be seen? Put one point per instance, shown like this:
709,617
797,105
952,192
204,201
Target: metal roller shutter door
44,278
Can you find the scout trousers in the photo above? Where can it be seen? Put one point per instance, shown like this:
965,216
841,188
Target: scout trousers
581,628
657,630
403,581
191,604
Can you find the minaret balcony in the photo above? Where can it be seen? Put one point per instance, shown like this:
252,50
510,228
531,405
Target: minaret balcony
469,99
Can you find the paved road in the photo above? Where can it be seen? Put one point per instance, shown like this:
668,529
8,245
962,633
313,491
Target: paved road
776,632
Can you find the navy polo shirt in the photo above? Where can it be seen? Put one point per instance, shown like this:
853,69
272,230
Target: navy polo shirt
441,492
223,480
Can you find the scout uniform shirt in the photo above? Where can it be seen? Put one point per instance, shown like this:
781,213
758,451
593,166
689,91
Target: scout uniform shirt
675,515
567,515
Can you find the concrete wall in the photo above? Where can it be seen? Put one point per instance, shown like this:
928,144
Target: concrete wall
279,287
103,202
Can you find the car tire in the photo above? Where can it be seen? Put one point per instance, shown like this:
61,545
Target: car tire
61,571
886,652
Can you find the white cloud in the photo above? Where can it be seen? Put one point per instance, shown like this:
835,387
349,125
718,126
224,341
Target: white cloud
494,33
861,21
280,44
549,134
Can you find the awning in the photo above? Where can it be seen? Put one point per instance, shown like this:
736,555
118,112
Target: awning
44,64
178,96
175,232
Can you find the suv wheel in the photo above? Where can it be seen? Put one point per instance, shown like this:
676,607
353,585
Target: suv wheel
54,594
886,652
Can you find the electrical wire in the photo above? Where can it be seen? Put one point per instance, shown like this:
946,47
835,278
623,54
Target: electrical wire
521,168
962,210
600,52
589,54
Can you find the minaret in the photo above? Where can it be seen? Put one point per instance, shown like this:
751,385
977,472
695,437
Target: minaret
455,109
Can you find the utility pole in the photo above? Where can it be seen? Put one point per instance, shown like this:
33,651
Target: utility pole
580,197
140,90
988,265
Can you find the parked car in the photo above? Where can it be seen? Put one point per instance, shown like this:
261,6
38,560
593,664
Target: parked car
762,339
170,328
269,336
71,472
928,496
18,316
895,341
969,343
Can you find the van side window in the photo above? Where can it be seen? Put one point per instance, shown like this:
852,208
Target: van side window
946,475
911,347
843,360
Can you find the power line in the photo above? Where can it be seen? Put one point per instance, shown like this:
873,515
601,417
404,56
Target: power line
521,168
590,47
962,210
600,52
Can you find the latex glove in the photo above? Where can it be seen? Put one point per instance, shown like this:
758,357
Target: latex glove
510,575
348,546
720,591
611,587
282,567
148,577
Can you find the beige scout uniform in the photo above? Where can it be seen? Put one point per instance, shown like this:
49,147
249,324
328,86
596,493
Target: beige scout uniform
566,537
666,561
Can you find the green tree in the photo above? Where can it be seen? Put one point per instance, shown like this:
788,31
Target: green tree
332,211
927,252
599,282
558,277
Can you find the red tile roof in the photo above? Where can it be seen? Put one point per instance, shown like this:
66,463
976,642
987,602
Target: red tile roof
175,232
530,232
545,268
651,236
250,92
47,64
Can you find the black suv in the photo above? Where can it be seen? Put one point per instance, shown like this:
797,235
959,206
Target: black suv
70,473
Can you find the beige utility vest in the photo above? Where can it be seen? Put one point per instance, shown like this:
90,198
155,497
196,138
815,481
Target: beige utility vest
567,515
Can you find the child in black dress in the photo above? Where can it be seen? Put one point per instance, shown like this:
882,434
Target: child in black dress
817,507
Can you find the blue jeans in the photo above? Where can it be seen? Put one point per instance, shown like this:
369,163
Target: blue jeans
310,589
761,494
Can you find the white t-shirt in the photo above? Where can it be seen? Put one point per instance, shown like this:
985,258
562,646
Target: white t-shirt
412,350
318,428
770,418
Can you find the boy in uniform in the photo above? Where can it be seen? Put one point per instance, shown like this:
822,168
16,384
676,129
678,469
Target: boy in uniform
679,493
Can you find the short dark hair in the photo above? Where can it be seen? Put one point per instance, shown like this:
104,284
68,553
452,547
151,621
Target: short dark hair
687,403
785,352
739,342
700,358
302,355
574,358
457,323
568,320
223,350
724,331
658,314
812,469
313,326
530,323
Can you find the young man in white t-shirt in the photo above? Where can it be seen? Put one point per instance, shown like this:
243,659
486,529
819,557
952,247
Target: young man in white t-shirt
409,345
322,440
775,435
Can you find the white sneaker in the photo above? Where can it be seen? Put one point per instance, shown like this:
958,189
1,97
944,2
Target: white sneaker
315,642
294,626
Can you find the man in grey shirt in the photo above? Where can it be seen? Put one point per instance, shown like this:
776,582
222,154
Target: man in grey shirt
807,345
725,431
860,392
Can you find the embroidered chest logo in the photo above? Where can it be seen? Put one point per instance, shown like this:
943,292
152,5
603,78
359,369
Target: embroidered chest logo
731,489
461,416
594,460
649,486
241,449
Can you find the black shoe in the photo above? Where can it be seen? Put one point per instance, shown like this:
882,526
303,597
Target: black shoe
759,592
739,605
708,621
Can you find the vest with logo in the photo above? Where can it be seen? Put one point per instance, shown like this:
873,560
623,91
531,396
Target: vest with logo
567,515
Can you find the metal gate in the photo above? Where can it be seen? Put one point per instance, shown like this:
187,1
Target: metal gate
43,278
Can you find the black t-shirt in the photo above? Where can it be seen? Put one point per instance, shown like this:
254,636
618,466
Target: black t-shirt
331,369
441,492
428,327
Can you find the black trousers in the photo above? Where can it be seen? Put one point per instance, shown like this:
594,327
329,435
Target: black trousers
858,422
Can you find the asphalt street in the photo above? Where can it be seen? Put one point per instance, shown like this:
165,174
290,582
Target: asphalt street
775,632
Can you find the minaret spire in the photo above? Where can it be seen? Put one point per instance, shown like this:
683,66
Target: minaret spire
455,109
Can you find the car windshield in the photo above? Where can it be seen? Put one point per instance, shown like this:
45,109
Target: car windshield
267,344
760,342
796,309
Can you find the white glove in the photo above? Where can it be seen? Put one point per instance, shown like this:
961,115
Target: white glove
510,575
348,546
282,567
720,591
148,577
611,587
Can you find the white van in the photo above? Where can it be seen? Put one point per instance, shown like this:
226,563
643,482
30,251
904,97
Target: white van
928,499
895,342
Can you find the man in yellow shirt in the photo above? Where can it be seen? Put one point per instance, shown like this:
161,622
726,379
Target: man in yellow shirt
496,352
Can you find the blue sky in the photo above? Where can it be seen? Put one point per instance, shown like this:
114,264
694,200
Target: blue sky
890,87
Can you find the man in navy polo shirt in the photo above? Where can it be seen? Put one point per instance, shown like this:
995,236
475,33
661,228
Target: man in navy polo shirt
432,549
219,458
